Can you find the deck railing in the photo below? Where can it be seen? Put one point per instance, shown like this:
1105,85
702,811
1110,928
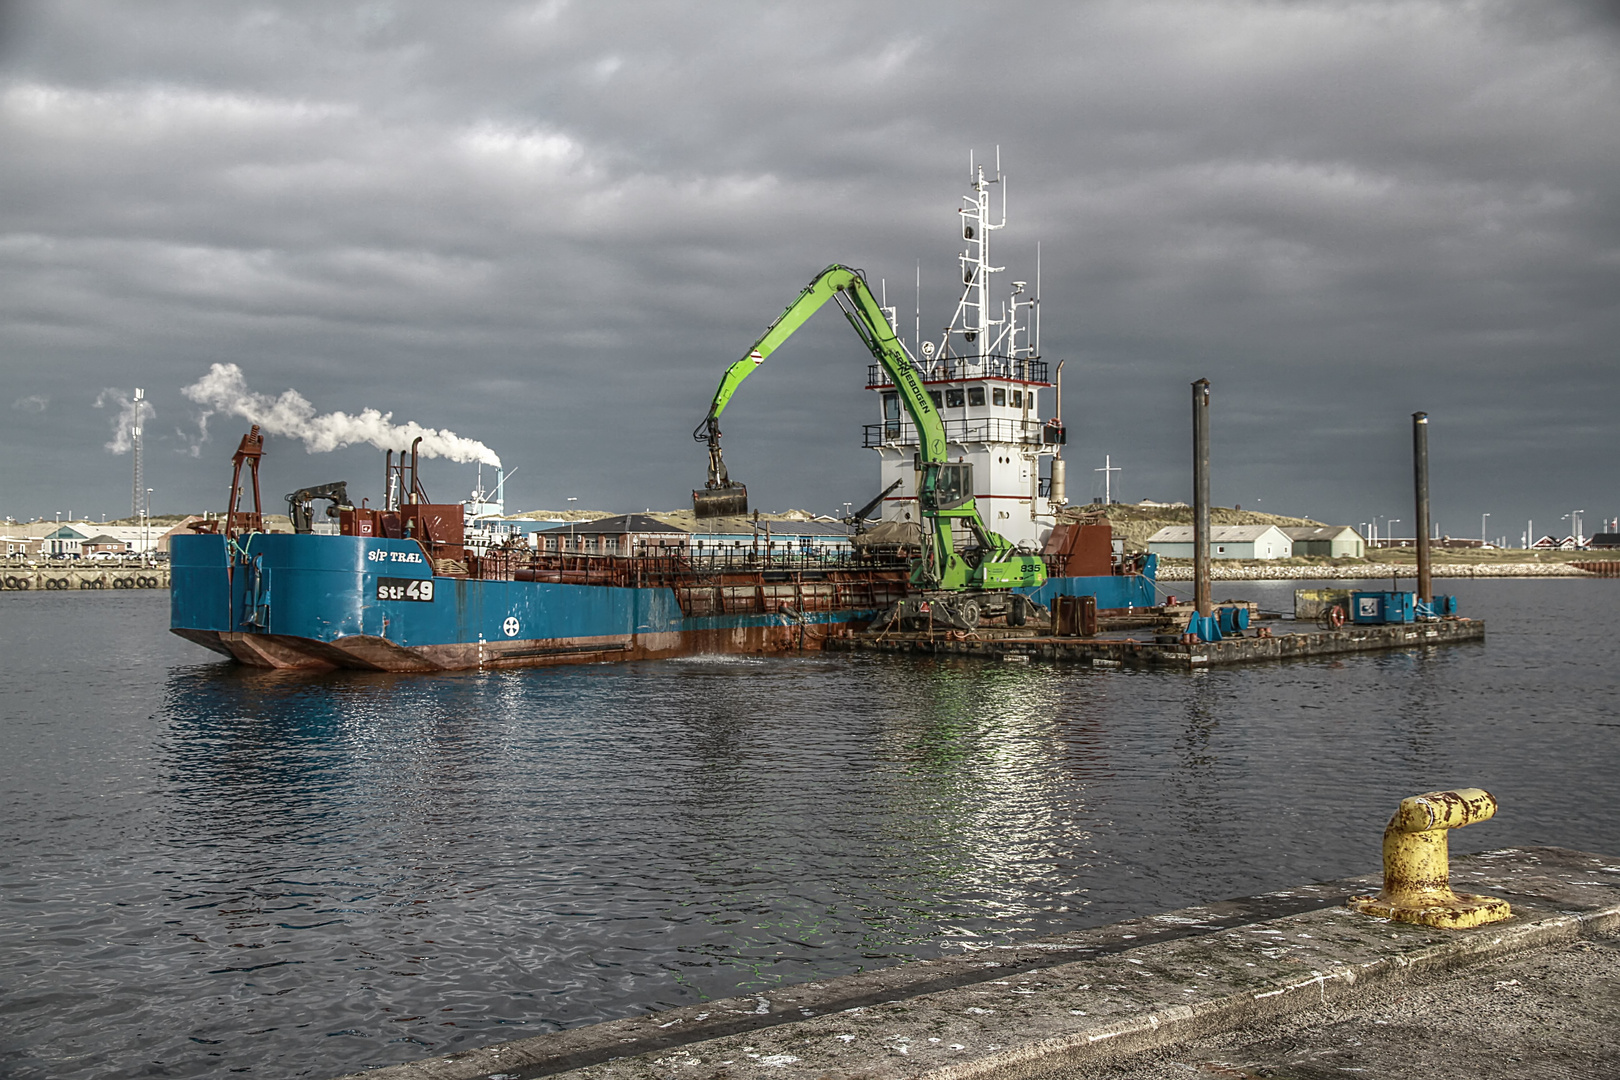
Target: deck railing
942,368
980,429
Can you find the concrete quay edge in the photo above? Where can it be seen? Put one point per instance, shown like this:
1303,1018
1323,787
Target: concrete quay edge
1111,990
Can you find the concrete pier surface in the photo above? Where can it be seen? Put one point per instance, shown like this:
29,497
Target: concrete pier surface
82,574
1289,984
1122,651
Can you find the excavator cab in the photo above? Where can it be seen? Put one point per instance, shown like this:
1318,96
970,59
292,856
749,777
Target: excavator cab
953,486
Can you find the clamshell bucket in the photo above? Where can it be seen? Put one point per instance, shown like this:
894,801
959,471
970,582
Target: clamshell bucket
727,500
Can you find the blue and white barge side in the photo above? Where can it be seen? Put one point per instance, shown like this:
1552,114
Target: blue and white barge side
290,601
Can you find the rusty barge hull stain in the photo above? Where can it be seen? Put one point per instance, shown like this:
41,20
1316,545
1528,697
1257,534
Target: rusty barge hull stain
1108,653
370,653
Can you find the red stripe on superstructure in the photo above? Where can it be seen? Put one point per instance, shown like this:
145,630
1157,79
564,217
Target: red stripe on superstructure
913,498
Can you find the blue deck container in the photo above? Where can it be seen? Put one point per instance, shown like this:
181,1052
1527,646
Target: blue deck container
1378,608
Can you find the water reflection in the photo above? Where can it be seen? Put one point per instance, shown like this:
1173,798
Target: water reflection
327,872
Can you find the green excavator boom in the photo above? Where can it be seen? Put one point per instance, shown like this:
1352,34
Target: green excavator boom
944,488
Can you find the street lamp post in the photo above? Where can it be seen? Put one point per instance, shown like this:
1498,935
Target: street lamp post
571,498
1482,541
1391,526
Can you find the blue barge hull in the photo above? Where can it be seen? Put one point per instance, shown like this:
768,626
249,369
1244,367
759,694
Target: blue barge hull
283,600
313,601
1115,592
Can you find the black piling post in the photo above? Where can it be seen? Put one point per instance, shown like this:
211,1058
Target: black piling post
1201,496
1420,473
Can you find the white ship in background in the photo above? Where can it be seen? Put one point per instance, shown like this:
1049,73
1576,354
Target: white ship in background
985,376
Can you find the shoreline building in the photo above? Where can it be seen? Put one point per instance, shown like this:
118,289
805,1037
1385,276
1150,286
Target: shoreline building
1335,541
1225,542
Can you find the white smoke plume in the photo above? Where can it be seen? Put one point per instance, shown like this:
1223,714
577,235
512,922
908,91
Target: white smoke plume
194,443
291,415
130,414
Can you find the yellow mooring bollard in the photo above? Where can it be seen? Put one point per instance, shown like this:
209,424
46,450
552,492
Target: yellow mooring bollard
1417,869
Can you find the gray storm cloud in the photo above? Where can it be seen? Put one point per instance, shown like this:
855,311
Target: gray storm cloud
224,389
554,223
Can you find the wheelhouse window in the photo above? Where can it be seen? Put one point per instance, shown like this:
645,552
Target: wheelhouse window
998,396
975,395
1018,399
953,399
939,402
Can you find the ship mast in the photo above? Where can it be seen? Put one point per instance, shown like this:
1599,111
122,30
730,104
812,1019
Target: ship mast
984,374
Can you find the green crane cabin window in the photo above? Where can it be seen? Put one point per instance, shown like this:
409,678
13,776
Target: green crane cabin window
954,486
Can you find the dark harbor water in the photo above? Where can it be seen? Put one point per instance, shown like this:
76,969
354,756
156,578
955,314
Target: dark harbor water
206,869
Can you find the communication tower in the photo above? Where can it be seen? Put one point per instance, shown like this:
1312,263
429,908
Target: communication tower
137,499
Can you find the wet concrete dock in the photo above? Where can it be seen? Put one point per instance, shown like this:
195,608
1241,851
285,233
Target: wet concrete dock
1549,1012
1270,982
1146,652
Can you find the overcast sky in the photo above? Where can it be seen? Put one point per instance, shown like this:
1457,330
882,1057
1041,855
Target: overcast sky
549,227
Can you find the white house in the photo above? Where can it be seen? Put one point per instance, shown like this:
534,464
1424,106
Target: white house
1338,541
1225,542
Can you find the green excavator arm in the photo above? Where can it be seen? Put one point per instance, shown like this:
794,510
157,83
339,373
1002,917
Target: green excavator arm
944,491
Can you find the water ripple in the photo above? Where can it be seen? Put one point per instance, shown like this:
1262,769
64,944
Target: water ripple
208,869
